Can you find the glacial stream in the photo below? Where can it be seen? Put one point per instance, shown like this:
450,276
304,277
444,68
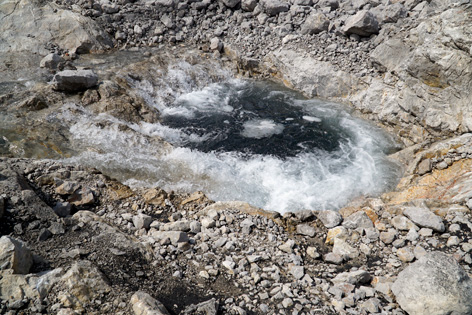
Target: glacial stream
238,139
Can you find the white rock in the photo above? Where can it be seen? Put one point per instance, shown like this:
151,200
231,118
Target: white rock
144,304
360,219
363,23
297,272
142,221
287,246
342,248
208,223
403,223
329,218
305,229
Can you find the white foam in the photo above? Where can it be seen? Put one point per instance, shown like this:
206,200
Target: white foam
261,128
315,180
209,99
311,119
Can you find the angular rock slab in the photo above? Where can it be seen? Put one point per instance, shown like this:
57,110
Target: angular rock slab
74,80
434,285
15,255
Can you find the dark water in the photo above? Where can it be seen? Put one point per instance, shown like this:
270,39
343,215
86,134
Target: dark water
264,120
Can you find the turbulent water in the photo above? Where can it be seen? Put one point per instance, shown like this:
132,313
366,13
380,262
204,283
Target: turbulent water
241,140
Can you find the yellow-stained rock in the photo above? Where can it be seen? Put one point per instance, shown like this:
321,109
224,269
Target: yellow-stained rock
336,232
155,196
198,197
451,185
118,191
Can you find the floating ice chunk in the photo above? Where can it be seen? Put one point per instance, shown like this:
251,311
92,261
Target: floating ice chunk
311,119
261,128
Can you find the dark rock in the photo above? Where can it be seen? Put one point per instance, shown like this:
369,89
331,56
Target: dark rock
2,207
74,80
63,209
231,3
44,234
274,7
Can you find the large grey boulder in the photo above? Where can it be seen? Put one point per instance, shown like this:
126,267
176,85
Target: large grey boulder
15,255
74,80
315,23
435,285
28,25
274,7
363,23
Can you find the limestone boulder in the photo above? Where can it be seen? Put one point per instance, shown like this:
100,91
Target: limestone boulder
15,287
436,284
15,255
329,218
312,77
363,23
315,23
144,304
81,284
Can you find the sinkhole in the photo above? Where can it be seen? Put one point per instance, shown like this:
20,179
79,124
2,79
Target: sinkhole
246,140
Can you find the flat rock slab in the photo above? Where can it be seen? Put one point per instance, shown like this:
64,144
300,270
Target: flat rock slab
424,217
452,185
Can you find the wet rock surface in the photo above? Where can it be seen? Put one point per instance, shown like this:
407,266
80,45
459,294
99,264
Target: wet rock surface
76,241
